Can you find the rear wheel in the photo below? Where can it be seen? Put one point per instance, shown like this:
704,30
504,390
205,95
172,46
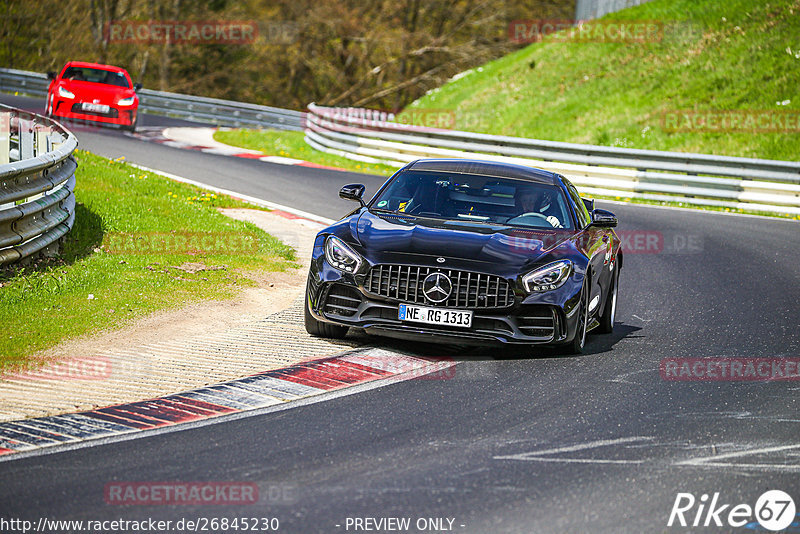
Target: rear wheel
578,343
321,329
610,308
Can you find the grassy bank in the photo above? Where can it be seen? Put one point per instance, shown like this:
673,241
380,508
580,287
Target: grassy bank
140,243
706,59
740,56
291,145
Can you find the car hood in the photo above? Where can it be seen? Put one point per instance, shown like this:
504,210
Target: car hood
385,236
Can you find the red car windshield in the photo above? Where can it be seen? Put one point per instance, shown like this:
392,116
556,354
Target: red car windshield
88,74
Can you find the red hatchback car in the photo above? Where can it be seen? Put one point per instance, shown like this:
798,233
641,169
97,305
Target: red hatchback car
93,92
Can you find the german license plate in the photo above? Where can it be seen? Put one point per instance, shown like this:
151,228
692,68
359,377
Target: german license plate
422,314
95,108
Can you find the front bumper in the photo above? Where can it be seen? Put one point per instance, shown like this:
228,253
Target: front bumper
69,109
340,299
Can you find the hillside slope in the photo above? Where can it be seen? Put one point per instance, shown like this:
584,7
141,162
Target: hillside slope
740,56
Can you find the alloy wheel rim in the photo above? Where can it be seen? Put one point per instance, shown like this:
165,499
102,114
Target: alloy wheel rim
614,305
585,319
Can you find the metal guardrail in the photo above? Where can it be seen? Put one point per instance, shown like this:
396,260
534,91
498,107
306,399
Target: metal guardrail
195,108
594,9
37,181
700,179
372,136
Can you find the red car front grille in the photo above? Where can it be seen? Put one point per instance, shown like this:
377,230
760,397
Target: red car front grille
111,114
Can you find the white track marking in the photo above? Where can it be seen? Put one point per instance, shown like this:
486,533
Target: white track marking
714,461
694,210
254,200
537,456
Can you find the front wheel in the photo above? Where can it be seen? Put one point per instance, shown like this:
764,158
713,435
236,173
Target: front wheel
132,127
578,343
610,308
321,329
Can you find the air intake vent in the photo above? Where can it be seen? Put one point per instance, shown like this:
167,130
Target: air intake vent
537,321
342,301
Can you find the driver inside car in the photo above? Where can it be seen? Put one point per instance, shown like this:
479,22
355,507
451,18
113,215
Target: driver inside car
428,199
531,201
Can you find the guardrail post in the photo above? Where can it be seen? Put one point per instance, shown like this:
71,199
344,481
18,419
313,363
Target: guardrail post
5,145
25,139
42,141
56,140
40,146
5,137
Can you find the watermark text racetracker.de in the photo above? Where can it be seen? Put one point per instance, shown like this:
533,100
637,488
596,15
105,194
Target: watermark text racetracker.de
147,525
630,241
443,119
180,493
80,368
731,121
181,243
200,32
586,31
729,369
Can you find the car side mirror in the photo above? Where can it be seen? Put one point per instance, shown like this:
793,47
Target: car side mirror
589,203
603,219
353,192
137,87
51,75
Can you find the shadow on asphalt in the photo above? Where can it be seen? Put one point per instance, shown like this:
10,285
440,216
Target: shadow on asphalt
595,344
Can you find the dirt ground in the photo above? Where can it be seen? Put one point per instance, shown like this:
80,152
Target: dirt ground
175,350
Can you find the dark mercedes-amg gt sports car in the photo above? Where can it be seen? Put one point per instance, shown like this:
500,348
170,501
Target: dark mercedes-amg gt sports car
467,252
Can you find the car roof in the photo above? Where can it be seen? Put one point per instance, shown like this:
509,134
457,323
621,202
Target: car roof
486,168
86,64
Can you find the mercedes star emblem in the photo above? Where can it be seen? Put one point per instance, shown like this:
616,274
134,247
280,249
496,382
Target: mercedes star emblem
437,287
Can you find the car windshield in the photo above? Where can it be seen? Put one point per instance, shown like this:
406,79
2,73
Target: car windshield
483,199
88,74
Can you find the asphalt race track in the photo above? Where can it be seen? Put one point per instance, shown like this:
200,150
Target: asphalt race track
511,442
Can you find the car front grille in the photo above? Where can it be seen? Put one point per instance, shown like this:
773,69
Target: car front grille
469,290
112,113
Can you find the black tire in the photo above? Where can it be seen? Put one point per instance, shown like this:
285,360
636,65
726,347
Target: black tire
578,343
320,329
132,127
610,307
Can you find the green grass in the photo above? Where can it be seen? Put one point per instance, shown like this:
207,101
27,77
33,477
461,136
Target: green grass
290,144
49,301
738,55
733,55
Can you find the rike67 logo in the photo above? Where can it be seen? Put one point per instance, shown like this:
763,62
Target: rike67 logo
774,510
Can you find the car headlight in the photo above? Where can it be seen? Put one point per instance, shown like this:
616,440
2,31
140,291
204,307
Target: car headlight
126,101
341,256
551,276
64,93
